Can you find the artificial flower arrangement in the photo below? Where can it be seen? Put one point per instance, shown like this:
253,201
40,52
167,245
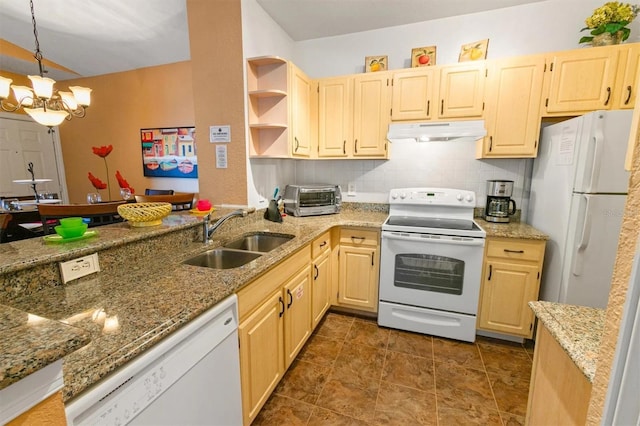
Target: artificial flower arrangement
103,152
610,19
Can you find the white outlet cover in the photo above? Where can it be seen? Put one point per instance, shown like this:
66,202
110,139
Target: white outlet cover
78,268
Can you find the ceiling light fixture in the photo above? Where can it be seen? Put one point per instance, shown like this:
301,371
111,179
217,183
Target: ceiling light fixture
44,104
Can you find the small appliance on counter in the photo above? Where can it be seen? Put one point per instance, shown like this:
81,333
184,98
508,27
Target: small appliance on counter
312,200
499,203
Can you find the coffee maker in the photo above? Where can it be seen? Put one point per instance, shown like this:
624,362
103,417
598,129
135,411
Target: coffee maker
499,203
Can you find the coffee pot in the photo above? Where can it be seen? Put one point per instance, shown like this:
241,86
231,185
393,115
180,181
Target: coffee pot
499,204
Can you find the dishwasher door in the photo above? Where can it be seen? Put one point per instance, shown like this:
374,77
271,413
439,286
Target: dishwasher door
191,377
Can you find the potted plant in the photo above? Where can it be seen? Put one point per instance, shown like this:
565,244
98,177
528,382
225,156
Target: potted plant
608,23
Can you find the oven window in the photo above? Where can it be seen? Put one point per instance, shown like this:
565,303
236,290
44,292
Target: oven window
429,273
317,199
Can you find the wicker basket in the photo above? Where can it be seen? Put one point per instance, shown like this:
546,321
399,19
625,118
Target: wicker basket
144,214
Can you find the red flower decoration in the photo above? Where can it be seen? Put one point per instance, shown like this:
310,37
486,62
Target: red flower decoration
97,183
123,182
102,151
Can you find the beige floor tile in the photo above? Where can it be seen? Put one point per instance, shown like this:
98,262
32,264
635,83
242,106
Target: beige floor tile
502,360
280,410
462,354
359,362
409,370
335,326
321,350
509,419
511,393
400,405
411,343
368,333
355,398
303,381
448,416
323,417
463,388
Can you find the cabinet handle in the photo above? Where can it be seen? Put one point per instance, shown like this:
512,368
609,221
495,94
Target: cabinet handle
356,146
626,101
441,106
360,239
290,298
513,251
344,147
315,277
490,271
297,144
608,96
428,105
490,143
322,244
282,305
371,259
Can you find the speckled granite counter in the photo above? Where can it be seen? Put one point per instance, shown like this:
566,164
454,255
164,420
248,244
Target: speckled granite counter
578,330
511,230
143,291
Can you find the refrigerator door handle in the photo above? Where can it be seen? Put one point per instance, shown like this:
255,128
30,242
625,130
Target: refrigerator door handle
598,146
584,239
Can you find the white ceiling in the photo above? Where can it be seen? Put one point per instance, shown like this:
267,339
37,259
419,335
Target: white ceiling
95,37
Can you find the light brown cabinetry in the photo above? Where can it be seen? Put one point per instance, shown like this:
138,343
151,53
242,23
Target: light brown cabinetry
279,108
413,95
461,90
321,280
275,322
511,279
626,79
513,94
353,116
358,269
558,393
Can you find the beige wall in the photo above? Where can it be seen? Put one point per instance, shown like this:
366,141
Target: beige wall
215,34
121,105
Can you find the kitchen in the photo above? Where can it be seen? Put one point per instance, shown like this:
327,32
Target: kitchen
464,169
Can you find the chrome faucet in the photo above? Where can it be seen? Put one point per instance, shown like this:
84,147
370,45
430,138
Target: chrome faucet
208,229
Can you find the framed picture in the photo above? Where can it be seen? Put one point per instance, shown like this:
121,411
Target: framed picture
474,51
169,152
375,63
423,56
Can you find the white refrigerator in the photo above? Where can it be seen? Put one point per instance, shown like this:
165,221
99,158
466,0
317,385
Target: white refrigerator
578,193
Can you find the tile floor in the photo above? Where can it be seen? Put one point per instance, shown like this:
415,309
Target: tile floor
352,372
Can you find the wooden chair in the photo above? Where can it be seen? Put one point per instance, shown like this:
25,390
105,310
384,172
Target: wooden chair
149,191
179,201
99,214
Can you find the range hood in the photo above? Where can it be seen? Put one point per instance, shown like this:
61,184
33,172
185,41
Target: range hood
438,131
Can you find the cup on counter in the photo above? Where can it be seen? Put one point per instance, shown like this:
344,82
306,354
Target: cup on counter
93,198
125,193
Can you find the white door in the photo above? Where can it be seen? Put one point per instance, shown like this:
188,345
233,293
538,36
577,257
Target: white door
22,141
594,227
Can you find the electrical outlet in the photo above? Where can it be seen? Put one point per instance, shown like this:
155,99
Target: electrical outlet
77,268
351,188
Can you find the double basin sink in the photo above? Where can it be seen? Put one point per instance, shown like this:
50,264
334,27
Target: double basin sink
240,251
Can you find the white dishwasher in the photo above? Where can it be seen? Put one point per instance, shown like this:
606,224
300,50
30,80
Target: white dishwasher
190,378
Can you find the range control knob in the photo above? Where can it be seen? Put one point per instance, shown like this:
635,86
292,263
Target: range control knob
459,197
403,195
469,198
394,195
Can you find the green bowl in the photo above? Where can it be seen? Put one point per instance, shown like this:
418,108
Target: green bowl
69,222
71,231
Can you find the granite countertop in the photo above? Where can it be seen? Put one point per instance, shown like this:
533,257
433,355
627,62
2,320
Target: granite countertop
127,312
578,330
511,230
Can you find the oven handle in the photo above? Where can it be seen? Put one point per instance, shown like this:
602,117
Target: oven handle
443,239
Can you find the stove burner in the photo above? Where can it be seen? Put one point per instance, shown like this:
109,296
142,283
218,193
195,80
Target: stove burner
433,223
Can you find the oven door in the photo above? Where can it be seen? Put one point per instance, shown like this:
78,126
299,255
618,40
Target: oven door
431,271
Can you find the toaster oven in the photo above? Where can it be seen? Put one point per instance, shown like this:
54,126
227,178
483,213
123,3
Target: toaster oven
312,200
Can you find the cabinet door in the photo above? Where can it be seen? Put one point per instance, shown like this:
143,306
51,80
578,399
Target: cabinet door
582,80
261,355
514,90
412,93
461,90
358,277
507,289
626,82
371,114
334,117
321,284
300,122
297,326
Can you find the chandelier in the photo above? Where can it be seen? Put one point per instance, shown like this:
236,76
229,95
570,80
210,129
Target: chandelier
43,103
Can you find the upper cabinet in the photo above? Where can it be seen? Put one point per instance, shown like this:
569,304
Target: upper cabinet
353,116
413,95
279,96
626,84
513,93
461,90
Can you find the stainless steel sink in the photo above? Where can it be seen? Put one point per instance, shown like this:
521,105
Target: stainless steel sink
221,258
259,241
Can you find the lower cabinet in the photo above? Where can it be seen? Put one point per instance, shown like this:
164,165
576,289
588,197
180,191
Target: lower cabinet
321,277
275,322
511,279
359,267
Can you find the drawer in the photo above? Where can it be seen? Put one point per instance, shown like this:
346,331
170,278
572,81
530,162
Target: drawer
358,237
321,244
516,249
